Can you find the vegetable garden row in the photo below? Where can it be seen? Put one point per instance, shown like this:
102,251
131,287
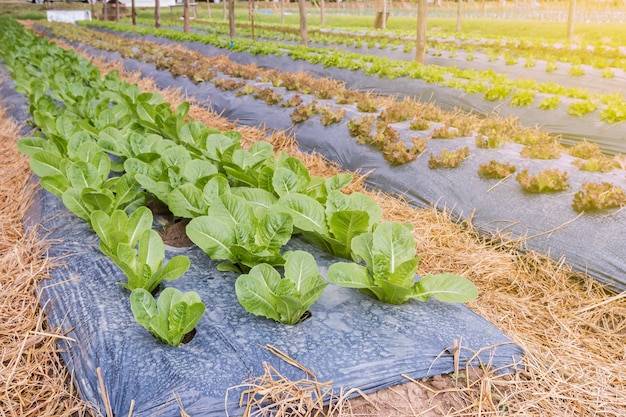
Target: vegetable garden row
107,149
486,85
403,130
245,204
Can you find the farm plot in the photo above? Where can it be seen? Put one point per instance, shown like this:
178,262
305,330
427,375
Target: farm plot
544,400
72,166
560,203
573,112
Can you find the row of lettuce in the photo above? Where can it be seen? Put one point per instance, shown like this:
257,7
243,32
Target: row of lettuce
106,149
600,55
492,86
380,114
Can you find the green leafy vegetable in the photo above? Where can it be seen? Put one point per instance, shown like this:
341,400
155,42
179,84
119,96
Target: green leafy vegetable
389,272
243,233
136,249
171,317
263,292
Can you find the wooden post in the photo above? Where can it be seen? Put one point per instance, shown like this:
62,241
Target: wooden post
208,8
105,15
185,16
231,18
458,15
157,14
570,19
384,22
133,12
224,9
282,12
322,19
420,50
251,17
117,11
304,40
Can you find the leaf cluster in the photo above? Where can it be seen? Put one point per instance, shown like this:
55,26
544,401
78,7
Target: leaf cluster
598,196
550,180
448,159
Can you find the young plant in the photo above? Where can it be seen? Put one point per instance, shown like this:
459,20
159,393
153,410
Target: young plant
522,98
598,196
390,266
495,170
263,292
448,159
582,107
550,103
136,249
576,71
333,225
171,317
546,181
242,233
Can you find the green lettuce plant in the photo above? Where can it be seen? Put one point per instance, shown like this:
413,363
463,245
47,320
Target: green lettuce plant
241,233
332,225
390,266
169,318
136,249
263,292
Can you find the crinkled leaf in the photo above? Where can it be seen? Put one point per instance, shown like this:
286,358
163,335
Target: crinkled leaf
83,175
255,196
393,245
345,225
274,230
196,169
404,275
286,181
231,209
186,201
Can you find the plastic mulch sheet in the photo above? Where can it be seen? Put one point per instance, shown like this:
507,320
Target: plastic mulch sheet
558,121
350,339
589,242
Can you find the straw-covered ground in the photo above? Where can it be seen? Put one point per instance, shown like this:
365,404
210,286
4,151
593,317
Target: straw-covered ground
572,330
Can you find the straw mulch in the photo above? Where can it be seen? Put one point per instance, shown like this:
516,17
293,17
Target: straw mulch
33,379
572,330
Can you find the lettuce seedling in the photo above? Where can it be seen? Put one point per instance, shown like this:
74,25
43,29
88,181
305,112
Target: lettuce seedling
241,232
171,317
263,292
136,249
333,226
389,271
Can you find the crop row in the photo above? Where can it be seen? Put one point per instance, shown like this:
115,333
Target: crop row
492,86
599,56
106,149
490,133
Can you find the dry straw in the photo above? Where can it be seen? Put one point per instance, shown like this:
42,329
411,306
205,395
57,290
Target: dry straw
33,380
572,330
